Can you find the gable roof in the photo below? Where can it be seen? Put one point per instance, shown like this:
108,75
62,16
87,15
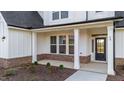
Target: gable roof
32,19
23,19
120,23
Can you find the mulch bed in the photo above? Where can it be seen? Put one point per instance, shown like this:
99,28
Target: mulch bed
31,72
119,74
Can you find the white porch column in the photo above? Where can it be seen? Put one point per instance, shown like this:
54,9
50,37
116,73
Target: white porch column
34,47
76,49
110,50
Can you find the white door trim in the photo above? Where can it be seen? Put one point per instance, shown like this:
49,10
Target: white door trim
93,54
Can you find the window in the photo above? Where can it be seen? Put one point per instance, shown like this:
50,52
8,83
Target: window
62,44
59,15
53,44
59,46
64,14
55,15
71,44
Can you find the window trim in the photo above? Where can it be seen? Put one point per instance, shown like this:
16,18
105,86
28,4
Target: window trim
70,45
53,15
66,45
64,17
62,44
53,44
59,15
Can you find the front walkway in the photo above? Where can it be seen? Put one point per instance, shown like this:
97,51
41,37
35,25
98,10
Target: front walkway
87,76
93,66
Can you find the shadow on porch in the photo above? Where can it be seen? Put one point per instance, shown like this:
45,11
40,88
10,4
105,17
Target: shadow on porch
92,66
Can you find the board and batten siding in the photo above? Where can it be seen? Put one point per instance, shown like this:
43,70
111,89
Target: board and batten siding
101,14
19,43
119,43
3,43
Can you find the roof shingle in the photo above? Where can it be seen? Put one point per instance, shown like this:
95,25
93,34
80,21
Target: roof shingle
23,19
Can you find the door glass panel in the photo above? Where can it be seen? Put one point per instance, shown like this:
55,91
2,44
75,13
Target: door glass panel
100,45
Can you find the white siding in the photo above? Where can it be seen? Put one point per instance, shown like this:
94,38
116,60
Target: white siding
84,43
19,43
74,16
119,44
3,32
104,14
43,43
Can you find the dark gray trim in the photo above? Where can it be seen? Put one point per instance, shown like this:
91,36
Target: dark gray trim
99,35
98,11
121,23
84,22
114,44
86,15
67,24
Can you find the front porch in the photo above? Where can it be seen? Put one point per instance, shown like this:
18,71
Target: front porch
76,46
92,66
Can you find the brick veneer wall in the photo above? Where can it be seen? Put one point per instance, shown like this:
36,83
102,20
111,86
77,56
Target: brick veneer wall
24,60
6,63
3,62
119,61
68,58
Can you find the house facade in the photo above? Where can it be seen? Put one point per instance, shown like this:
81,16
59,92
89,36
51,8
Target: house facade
71,36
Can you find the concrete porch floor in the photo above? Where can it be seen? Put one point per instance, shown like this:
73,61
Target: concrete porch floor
92,66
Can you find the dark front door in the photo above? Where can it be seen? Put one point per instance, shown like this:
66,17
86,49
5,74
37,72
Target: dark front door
100,49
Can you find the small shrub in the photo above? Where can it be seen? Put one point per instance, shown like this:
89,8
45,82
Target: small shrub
61,67
10,72
35,63
48,65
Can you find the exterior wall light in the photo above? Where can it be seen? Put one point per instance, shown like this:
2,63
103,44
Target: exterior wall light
3,38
